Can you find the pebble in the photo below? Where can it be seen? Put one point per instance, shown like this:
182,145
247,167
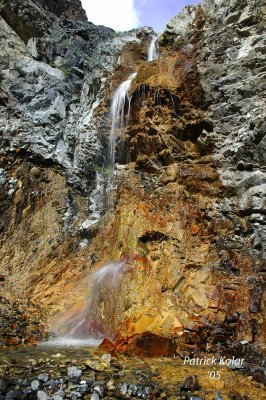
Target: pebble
123,389
95,365
147,390
3,385
3,177
218,397
99,389
14,395
110,385
72,386
95,396
42,395
54,385
60,393
106,359
57,355
75,395
74,372
190,383
35,384
83,388
43,377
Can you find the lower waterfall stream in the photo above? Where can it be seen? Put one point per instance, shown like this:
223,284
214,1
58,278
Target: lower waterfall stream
90,325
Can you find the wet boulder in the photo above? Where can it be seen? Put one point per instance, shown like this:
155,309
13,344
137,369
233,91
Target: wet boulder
190,383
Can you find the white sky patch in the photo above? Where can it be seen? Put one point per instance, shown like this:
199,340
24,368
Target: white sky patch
120,15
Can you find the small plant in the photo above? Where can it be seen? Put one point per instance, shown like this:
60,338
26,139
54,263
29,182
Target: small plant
107,171
65,43
66,70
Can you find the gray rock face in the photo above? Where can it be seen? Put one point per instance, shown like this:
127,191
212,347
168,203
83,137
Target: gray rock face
55,74
233,72
182,22
51,89
233,77
32,19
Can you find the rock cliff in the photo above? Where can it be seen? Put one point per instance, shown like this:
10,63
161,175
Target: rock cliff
188,213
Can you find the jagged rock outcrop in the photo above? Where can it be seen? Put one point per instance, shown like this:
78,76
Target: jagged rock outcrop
188,216
31,19
52,85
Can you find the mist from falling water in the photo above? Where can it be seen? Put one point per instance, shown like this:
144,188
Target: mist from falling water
90,324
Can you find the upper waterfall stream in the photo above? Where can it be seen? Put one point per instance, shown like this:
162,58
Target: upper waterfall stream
117,111
153,49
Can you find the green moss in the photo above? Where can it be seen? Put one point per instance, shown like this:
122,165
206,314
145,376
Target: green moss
65,43
66,70
104,171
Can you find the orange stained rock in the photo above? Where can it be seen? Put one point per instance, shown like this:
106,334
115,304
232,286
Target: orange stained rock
195,230
146,345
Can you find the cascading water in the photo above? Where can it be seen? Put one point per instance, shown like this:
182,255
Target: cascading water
95,320
153,49
119,120
90,322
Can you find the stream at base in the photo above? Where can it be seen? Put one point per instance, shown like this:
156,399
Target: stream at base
52,372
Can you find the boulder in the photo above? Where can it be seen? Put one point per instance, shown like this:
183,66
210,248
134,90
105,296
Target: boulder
147,344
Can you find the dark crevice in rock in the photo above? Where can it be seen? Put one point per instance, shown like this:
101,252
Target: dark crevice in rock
153,237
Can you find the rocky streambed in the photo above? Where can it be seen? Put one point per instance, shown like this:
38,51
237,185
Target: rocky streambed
48,372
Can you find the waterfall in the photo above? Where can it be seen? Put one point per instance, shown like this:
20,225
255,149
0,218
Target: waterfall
96,317
117,111
95,320
153,49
